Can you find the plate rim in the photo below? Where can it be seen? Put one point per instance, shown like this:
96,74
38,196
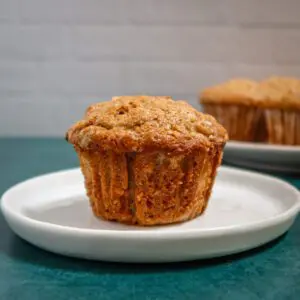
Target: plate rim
233,145
288,214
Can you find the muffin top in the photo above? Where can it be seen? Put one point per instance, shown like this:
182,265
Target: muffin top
274,92
281,92
235,91
285,84
146,123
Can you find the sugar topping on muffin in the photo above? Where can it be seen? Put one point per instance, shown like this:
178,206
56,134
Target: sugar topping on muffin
139,123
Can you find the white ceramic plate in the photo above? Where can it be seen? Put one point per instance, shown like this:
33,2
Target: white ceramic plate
263,156
246,210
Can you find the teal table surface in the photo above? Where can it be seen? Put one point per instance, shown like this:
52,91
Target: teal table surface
28,273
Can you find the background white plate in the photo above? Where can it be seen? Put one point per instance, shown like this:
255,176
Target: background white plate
263,156
246,210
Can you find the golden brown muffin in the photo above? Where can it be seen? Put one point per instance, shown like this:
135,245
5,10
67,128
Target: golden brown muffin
235,105
148,160
266,111
282,112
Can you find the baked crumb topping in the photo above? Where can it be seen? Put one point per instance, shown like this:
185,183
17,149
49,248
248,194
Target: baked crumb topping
139,123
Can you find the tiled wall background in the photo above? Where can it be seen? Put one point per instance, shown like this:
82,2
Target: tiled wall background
57,56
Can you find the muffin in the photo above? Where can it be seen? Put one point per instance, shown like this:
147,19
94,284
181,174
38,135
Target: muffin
282,110
235,105
147,160
266,111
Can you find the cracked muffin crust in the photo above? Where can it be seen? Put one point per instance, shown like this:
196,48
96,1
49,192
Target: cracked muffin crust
147,160
139,123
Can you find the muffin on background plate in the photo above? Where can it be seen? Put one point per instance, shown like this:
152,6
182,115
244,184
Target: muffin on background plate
266,111
147,160
234,105
282,114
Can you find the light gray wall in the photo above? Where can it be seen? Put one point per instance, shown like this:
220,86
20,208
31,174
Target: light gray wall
57,56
